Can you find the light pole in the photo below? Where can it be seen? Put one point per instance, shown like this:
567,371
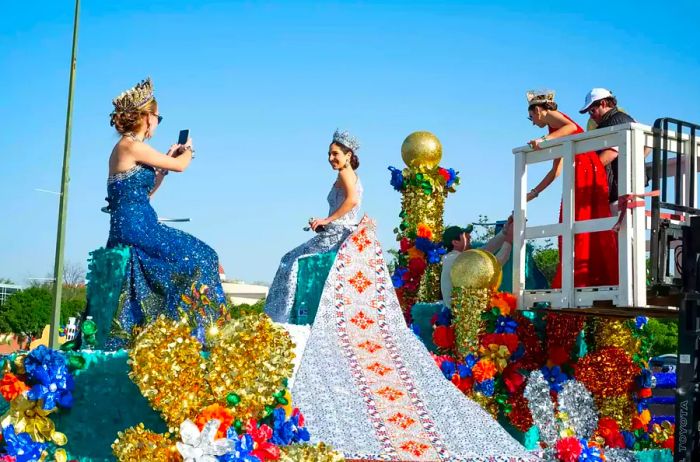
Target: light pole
63,204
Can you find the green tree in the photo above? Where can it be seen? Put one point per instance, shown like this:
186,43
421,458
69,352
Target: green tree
663,334
27,312
483,232
546,258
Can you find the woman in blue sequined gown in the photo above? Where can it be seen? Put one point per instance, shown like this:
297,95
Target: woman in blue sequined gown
164,262
344,202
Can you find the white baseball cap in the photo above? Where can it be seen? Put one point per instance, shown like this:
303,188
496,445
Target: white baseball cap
595,95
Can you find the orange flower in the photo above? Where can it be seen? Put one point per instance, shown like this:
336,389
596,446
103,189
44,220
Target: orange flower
645,416
483,370
415,253
424,231
11,387
502,306
218,412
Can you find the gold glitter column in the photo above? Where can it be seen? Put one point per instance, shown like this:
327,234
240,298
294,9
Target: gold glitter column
475,275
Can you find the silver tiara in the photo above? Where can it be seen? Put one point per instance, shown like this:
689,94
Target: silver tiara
346,139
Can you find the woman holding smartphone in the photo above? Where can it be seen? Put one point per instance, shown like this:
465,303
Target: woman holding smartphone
164,263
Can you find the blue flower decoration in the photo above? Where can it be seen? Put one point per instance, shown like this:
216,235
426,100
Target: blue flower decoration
645,378
555,377
448,369
435,255
470,361
397,277
486,387
518,353
424,244
505,325
21,446
47,372
640,321
242,450
589,453
396,178
464,371
453,177
444,317
286,432
629,439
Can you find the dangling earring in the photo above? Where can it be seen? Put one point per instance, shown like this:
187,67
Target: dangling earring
147,135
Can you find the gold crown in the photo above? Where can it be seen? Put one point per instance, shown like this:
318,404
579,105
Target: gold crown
134,98
539,97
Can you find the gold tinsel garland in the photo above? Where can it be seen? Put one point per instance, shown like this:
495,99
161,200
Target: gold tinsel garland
467,306
309,453
620,408
614,333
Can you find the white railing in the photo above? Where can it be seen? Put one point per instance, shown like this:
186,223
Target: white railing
631,140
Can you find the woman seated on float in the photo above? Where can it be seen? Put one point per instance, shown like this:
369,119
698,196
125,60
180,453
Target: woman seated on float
298,283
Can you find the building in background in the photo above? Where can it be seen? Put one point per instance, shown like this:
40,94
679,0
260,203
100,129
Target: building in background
240,293
6,290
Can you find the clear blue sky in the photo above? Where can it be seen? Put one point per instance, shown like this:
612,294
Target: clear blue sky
263,85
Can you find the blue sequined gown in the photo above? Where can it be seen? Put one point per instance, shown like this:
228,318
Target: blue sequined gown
164,262
280,298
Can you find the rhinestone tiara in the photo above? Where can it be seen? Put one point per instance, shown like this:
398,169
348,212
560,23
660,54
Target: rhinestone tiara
346,139
539,96
134,98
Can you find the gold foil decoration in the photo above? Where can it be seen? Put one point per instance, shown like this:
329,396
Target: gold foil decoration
421,149
251,358
139,444
476,269
309,453
487,403
29,417
467,306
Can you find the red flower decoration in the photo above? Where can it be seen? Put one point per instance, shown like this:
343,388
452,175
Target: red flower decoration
669,443
609,430
512,379
264,450
483,370
509,340
645,393
444,173
405,244
568,449
417,266
444,337
464,384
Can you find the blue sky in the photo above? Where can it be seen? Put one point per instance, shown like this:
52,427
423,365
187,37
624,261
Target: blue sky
263,85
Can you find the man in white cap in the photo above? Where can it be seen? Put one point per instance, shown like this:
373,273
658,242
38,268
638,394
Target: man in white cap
601,105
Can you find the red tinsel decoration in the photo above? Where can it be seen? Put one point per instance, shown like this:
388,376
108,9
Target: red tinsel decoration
607,372
558,355
562,330
534,355
519,415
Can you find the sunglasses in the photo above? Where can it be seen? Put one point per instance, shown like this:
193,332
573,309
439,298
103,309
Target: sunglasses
160,118
529,118
593,107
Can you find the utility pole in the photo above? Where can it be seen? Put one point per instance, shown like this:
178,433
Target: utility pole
63,204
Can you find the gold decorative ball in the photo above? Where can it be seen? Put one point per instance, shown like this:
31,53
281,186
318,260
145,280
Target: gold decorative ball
421,149
476,269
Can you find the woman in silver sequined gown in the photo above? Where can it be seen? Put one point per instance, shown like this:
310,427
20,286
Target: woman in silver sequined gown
344,200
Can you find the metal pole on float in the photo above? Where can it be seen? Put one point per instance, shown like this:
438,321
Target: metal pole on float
63,204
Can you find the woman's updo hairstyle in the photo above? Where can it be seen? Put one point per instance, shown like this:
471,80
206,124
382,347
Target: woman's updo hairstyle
132,121
541,98
354,160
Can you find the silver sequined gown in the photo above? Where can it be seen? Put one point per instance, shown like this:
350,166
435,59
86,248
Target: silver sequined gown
367,385
280,298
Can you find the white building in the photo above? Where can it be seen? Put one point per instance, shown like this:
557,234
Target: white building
6,290
241,293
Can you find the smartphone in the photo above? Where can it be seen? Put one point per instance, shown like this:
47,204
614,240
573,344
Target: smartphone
184,136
